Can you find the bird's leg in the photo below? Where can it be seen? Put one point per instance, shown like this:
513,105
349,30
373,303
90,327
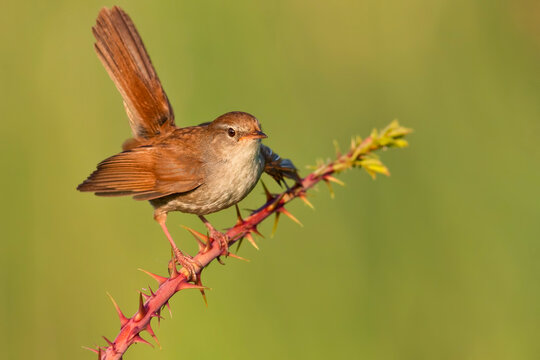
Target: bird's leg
214,234
185,260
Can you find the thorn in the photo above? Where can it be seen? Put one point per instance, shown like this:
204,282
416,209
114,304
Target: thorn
89,348
269,196
251,241
332,194
240,221
185,285
274,228
199,282
306,201
220,261
159,279
256,231
202,240
239,244
109,342
142,310
151,292
123,319
173,272
146,296
333,179
291,216
238,257
139,339
157,314
169,307
152,334
275,204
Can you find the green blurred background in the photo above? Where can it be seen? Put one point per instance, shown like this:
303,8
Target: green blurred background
438,261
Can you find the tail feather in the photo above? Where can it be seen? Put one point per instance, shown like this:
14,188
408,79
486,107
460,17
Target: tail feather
122,52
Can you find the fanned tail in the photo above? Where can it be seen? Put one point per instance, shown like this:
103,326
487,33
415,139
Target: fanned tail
122,52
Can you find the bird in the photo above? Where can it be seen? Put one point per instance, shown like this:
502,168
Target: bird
198,169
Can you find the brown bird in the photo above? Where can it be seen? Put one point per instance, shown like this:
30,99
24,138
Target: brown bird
198,169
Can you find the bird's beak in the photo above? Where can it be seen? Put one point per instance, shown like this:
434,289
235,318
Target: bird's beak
254,135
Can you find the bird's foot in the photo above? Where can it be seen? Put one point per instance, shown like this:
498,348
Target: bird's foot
222,239
215,235
190,267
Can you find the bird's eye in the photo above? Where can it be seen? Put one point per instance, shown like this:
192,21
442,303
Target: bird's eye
231,132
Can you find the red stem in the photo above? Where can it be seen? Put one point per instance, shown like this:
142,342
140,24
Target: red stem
140,321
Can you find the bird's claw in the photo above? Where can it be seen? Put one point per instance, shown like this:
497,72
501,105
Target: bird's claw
215,235
190,266
223,241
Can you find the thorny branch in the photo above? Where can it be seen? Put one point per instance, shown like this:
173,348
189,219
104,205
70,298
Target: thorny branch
360,154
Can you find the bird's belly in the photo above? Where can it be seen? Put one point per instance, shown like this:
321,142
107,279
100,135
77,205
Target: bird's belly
229,185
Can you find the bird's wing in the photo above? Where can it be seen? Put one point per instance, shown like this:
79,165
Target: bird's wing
146,173
122,52
277,167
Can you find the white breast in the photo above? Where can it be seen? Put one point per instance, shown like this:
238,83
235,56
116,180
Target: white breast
226,183
236,176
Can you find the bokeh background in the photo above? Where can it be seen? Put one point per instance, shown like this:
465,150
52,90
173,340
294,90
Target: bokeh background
438,261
